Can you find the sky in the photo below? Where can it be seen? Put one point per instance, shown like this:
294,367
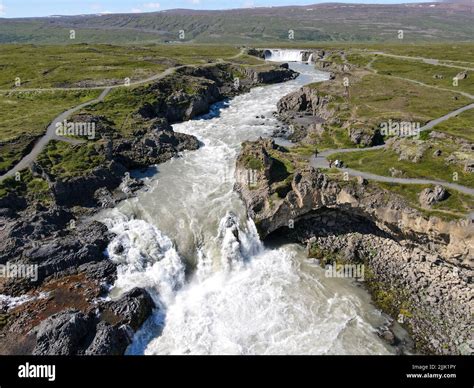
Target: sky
27,8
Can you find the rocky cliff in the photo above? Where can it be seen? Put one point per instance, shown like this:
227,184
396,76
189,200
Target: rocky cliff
61,309
421,267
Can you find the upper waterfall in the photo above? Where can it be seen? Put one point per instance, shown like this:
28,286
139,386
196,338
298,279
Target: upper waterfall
279,55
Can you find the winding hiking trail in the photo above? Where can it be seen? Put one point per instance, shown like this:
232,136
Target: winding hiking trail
50,134
152,78
426,60
429,61
320,161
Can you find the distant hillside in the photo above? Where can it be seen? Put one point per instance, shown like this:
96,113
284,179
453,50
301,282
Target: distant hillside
321,22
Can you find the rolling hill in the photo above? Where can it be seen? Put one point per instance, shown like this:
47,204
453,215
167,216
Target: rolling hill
322,22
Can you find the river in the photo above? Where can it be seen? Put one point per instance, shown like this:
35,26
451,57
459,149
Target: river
217,294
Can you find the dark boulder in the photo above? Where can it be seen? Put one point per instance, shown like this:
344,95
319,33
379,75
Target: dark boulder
109,340
72,332
133,308
63,334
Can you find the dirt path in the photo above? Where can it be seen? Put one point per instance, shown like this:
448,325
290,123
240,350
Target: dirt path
321,161
429,61
152,78
50,134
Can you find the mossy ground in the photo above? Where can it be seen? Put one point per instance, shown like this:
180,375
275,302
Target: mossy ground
66,66
461,126
26,115
34,189
64,160
429,167
439,76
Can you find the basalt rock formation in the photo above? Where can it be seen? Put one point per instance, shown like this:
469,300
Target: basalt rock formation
420,267
61,309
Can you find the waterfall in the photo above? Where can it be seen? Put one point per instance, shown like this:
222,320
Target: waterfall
277,55
218,289
310,59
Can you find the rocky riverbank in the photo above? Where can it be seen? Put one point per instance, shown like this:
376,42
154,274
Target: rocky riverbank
418,268
62,308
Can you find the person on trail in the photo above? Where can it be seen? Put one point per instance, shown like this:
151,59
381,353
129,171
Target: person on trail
330,163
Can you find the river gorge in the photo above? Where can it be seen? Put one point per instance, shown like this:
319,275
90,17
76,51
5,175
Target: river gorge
186,239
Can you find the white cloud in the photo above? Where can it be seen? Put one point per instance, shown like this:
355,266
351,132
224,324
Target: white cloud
144,7
2,9
195,1
248,4
152,5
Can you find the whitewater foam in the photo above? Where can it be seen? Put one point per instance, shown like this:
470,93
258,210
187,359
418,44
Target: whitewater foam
188,241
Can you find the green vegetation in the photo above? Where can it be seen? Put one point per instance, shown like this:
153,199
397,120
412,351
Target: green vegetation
26,115
359,60
453,52
311,24
439,76
253,163
392,300
32,188
456,206
376,98
3,320
381,161
85,65
64,160
324,256
29,113
248,60
460,126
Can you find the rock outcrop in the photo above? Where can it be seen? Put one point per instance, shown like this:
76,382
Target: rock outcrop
304,111
309,111
408,253
106,331
431,196
60,309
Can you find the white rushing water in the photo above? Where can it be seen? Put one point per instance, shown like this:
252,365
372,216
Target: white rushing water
277,55
239,297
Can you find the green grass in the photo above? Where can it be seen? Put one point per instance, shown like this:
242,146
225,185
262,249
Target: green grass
460,126
378,98
64,160
248,60
423,72
91,65
29,113
380,161
32,188
359,60
456,206
25,116
122,104
252,163
459,52
375,99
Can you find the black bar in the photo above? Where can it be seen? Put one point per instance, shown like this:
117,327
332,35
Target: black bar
314,371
